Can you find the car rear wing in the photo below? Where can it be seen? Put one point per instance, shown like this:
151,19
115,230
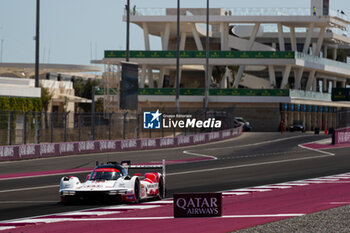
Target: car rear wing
127,165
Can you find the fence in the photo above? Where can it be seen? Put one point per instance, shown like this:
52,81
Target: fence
343,118
41,127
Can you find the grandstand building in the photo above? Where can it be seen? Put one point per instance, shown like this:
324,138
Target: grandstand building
269,64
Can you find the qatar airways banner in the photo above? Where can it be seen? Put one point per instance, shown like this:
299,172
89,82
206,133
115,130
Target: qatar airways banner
31,151
341,136
197,205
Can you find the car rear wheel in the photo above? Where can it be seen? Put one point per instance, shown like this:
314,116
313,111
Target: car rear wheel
137,190
161,193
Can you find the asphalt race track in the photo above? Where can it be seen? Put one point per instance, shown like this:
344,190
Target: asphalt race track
250,160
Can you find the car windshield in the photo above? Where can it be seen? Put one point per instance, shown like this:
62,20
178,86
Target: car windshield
105,174
298,123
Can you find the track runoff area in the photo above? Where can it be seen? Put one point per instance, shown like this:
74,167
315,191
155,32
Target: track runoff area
262,178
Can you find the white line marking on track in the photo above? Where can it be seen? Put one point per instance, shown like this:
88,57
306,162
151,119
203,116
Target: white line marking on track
316,150
24,202
6,228
262,216
89,213
156,218
235,193
345,176
310,182
322,179
258,143
338,177
141,207
200,155
162,202
41,220
31,188
252,190
274,187
248,165
293,184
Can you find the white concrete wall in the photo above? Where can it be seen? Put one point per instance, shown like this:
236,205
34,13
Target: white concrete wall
19,91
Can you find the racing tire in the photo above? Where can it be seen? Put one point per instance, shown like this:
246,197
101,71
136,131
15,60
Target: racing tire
137,190
160,188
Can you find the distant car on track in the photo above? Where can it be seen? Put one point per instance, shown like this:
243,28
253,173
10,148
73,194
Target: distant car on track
246,125
111,181
297,126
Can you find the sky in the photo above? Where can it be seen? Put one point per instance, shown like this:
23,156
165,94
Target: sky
76,31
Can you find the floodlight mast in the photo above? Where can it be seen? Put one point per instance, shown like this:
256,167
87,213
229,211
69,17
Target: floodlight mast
37,40
177,82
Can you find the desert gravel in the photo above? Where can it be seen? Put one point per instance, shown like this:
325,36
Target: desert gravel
336,220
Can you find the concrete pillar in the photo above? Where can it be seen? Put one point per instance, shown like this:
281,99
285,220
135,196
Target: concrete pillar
146,36
290,118
249,47
222,36
325,85
314,49
335,53
197,38
319,43
310,80
293,39
143,76
166,36
343,84
308,38
274,45
183,41
150,77
280,37
325,51
286,74
272,75
298,76
226,29
314,85
161,77
238,76
308,122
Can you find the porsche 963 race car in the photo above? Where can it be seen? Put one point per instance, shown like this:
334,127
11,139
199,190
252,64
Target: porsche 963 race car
112,181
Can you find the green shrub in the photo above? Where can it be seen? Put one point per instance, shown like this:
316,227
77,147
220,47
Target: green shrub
20,104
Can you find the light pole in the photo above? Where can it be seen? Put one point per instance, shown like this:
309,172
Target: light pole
127,55
37,39
177,82
206,98
1,49
93,113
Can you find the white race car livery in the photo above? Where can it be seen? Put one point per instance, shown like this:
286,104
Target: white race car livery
112,181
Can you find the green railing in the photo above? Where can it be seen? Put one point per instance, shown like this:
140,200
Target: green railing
228,54
214,92
201,54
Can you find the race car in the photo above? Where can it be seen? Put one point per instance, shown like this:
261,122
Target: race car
111,181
